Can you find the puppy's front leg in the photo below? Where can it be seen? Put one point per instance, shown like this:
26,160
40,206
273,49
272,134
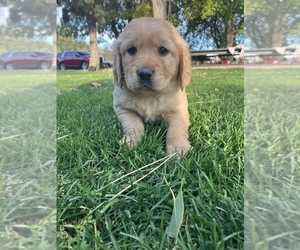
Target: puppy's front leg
177,135
133,126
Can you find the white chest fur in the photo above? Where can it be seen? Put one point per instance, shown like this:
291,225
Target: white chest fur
149,106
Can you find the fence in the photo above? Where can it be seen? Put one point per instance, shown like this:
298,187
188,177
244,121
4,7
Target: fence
279,55
237,55
218,56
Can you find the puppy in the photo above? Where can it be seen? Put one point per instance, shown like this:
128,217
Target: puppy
151,69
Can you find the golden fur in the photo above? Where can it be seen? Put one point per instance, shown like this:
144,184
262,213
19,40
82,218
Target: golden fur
151,70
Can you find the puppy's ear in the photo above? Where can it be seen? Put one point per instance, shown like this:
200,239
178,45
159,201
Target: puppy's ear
117,66
184,71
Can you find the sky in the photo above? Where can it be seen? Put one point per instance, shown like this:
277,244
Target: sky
4,15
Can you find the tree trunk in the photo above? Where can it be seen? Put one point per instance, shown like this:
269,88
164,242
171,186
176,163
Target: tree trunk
230,32
159,9
229,38
278,33
94,60
54,37
277,38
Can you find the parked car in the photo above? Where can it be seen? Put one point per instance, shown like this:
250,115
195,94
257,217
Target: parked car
73,59
26,59
107,64
271,60
291,54
225,61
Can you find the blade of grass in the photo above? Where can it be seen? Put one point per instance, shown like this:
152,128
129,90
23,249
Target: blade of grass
177,214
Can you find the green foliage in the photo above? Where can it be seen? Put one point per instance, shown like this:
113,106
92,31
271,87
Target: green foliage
117,15
16,43
144,9
30,18
205,22
111,16
77,14
208,8
269,23
214,20
64,43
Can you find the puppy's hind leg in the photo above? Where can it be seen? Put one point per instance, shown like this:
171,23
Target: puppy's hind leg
133,127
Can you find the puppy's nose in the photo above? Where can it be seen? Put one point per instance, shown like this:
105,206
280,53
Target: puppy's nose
145,74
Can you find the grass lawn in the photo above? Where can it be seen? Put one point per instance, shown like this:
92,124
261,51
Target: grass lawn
27,160
272,157
101,207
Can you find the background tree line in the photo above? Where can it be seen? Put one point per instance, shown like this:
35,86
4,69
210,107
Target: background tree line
272,23
28,19
203,23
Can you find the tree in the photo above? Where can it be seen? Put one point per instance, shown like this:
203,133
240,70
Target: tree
92,17
220,21
217,23
86,14
159,9
117,15
30,18
65,43
15,43
144,9
213,23
269,23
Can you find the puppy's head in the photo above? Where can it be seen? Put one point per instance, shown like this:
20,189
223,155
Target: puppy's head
150,55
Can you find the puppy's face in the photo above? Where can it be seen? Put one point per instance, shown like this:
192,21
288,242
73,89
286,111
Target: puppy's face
151,56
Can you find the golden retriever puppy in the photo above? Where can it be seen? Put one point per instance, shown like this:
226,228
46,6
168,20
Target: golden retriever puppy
151,69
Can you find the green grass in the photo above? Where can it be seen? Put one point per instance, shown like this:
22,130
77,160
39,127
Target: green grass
27,160
101,208
103,204
272,156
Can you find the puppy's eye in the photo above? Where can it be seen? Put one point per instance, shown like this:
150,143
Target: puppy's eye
163,51
132,51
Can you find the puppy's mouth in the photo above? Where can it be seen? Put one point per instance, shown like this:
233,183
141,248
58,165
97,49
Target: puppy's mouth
147,86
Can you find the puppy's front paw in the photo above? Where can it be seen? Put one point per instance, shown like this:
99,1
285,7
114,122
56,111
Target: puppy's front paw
180,149
130,140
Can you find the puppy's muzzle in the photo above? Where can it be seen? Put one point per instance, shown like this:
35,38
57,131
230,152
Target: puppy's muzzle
145,76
